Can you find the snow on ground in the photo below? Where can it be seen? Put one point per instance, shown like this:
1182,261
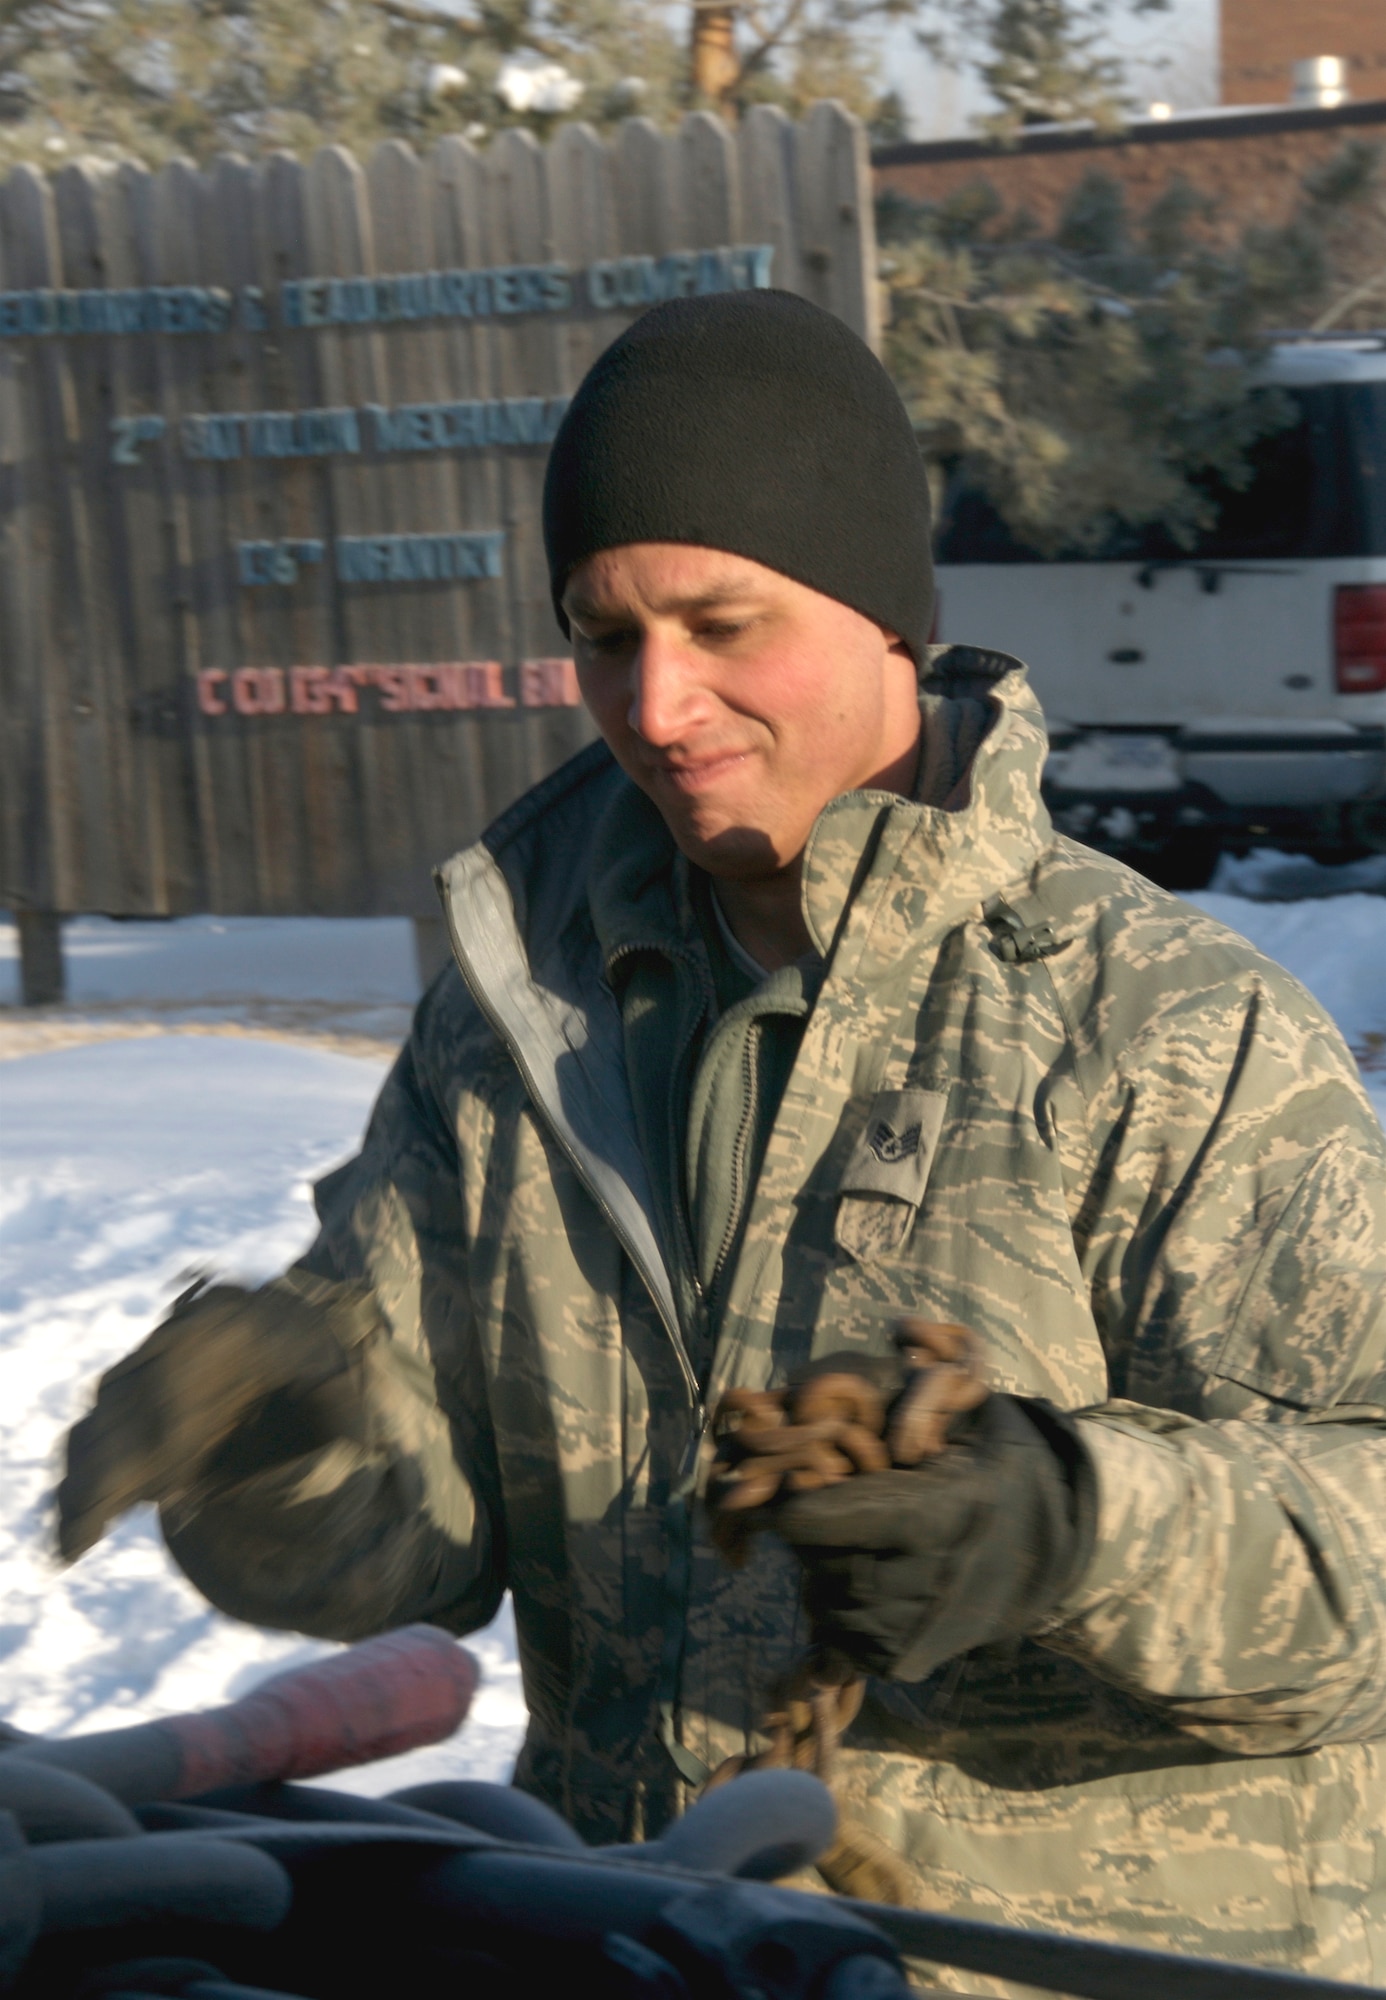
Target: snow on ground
1325,925
1337,949
211,961
353,978
128,1166
1267,876
130,1162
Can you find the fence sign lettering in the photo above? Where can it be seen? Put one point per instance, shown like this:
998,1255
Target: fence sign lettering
275,631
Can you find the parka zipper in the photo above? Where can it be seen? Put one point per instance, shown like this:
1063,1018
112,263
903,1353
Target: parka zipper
685,1235
678,1516
678,1513
476,988
686,1245
750,1078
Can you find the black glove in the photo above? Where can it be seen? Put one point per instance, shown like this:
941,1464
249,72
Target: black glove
905,1569
233,1380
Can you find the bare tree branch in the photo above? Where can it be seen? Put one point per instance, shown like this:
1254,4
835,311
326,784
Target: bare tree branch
1355,295
770,40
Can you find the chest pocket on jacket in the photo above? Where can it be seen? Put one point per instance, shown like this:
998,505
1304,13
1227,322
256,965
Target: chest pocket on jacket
1310,1329
884,1180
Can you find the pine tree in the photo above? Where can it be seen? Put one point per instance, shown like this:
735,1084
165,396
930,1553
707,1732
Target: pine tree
1100,378
1043,65
1042,61
148,79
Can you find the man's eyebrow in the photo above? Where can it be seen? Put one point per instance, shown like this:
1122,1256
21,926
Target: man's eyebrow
732,590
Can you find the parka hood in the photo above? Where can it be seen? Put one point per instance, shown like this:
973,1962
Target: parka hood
979,826
976,824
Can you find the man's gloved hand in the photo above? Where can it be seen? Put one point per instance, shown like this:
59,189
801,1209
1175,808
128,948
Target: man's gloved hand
931,1514
233,1380
905,1569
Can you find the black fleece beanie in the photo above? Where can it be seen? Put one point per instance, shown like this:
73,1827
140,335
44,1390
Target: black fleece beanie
757,423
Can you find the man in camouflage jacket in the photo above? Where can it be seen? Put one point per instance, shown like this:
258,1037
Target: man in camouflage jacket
1140,1167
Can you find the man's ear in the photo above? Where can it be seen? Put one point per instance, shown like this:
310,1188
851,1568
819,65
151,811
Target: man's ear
895,644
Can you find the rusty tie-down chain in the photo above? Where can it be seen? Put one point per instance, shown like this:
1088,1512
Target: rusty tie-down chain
830,1426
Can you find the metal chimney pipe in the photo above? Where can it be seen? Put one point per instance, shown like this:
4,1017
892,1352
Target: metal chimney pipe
1319,80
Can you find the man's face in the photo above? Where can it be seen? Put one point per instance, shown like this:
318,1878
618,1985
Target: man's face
739,700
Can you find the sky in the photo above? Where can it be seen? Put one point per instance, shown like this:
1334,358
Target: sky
1171,57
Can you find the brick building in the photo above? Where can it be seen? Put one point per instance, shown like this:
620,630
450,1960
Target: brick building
1261,40
1250,155
1251,162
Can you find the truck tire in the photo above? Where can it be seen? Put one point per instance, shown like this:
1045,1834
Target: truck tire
1188,859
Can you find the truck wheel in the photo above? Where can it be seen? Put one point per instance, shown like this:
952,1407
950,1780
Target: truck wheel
1187,860
1367,825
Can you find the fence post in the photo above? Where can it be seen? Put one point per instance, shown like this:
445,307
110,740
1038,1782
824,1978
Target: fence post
41,976
837,219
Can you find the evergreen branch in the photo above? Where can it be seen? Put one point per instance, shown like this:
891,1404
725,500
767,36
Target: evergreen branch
437,17
1356,295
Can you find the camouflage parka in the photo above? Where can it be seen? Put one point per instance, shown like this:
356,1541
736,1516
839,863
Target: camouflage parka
1146,1174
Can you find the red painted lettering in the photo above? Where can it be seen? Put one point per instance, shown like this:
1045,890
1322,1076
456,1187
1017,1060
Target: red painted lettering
395,691
208,682
309,691
344,684
454,680
245,691
484,685
258,690
549,684
429,687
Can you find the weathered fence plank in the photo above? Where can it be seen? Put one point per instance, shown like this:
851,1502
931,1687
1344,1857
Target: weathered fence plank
156,792
230,259
399,193
647,188
167,633
312,632
710,176
114,857
769,195
585,222
31,825
835,218
54,846
352,358
529,363
174,224
484,763
275,629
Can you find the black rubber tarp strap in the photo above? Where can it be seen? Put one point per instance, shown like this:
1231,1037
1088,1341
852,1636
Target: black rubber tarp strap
572,1899
1089,1968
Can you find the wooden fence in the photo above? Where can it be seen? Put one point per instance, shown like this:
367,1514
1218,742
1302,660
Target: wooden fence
274,623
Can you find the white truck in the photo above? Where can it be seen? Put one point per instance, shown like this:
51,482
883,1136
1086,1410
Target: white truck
1227,695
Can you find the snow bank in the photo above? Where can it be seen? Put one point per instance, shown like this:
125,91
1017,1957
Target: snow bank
1337,948
1268,876
211,961
1325,925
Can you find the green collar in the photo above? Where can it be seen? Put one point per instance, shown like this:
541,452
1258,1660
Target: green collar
638,887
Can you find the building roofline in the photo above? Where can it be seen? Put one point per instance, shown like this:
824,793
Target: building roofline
1231,121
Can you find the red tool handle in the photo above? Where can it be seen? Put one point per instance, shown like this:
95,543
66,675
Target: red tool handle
394,1693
